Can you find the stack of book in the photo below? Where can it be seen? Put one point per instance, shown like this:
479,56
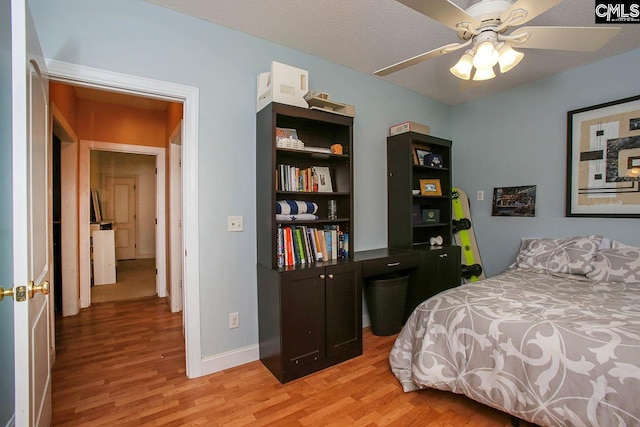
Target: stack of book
299,245
312,179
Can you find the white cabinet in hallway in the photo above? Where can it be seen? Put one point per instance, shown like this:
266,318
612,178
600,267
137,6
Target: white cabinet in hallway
104,257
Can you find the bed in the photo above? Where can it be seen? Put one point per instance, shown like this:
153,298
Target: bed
554,339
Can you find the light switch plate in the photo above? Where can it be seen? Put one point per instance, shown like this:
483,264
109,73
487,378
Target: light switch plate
480,195
235,223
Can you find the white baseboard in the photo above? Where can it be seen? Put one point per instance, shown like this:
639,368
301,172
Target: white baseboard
230,359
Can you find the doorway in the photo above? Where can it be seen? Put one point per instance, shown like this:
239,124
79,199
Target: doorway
121,83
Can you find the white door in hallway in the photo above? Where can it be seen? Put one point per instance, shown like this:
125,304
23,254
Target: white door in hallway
33,346
120,207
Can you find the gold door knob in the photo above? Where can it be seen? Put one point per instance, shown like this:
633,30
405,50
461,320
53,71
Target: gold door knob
5,293
44,288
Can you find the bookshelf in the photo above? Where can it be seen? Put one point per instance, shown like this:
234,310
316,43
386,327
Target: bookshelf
309,308
409,224
407,229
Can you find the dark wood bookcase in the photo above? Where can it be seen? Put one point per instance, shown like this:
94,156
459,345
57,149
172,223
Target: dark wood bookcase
406,227
439,267
310,315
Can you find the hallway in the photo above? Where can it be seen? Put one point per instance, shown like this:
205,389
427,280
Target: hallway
136,278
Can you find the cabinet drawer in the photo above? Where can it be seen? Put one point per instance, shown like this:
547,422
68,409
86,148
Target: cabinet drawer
305,358
390,264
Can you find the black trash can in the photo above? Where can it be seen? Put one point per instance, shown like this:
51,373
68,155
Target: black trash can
386,298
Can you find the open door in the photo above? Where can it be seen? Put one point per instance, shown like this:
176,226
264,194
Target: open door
31,233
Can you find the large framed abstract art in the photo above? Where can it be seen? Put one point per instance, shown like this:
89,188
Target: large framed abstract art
603,160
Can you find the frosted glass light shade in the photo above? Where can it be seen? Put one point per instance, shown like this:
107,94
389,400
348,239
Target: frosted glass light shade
486,56
509,58
462,69
484,74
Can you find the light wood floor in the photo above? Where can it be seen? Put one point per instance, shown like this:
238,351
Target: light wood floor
122,364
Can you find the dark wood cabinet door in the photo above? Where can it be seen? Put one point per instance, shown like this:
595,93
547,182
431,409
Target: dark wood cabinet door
343,308
448,270
439,270
303,328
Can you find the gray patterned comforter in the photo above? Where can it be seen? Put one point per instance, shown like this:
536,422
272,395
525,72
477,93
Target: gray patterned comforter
555,350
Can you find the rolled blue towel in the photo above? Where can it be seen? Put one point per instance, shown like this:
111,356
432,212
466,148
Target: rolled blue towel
295,207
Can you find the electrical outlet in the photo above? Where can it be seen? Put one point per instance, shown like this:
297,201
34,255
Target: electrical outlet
480,195
235,223
234,321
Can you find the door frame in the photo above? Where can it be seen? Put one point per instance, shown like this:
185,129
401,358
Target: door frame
84,215
189,96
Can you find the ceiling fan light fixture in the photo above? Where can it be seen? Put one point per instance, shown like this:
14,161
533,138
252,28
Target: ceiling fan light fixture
509,58
634,172
463,67
484,74
486,55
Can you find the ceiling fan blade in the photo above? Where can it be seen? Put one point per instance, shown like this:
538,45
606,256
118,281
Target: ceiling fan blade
442,11
533,8
586,39
417,59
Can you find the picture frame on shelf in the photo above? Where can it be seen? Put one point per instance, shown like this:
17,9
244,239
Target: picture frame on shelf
419,155
430,187
603,160
323,175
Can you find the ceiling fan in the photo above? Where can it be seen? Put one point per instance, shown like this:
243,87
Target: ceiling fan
483,27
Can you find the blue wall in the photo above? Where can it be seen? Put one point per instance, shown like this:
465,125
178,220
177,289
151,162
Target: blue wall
518,137
134,37
6,241
513,138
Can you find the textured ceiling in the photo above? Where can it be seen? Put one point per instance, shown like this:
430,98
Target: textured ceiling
366,35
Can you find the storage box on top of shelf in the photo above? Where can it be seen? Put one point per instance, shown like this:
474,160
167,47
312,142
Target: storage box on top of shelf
409,127
284,84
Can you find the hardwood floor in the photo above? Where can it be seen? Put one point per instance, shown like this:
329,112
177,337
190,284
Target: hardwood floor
123,364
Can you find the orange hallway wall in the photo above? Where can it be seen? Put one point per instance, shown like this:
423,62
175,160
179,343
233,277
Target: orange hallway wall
99,121
64,98
174,115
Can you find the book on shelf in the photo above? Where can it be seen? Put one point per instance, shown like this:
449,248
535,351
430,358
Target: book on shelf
319,244
345,249
299,242
280,247
292,178
288,246
299,245
329,238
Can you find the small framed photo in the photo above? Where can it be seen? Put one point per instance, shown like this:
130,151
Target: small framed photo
430,187
419,156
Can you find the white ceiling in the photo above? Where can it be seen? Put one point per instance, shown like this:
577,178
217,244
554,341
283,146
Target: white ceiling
366,35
